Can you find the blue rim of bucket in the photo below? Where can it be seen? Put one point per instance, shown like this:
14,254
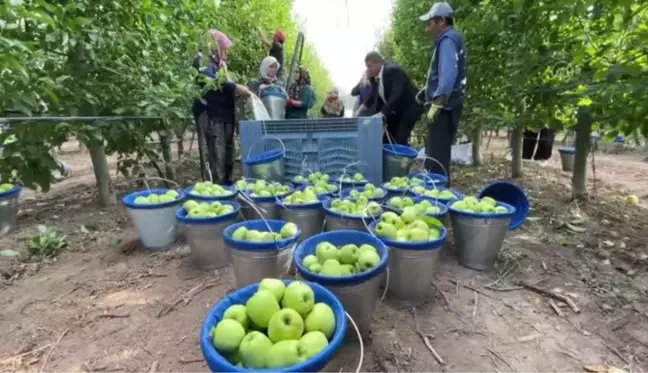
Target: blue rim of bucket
181,215
261,226
458,194
438,215
400,151
346,194
395,191
619,140
346,184
510,194
129,199
326,205
265,157
273,92
567,150
328,194
232,189
426,176
341,238
280,201
257,199
425,245
487,215
15,191
218,363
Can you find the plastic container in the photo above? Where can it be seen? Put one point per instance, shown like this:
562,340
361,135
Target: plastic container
437,180
346,194
336,221
205,236
567,158
254,261
478,237
268,166
308,217
440,215
266,205
156,223
217,363
274,100
232,189
326,145
358,293
412,266
510,194
9,209
397,160
458,194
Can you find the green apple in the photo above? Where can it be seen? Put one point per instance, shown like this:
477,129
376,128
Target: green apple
348,254
365,247
434,234
254,349
227,335
417,235
321,319
309,260
141,200
312,343
409,214
389,217
284,354
315,267
5,187
190,204
233,357
273,285
289,230
501,210
419,224
299,297
347,269
386,230
261,306
330,267
489,201
367,260
325,250
238,313
285,324
253,236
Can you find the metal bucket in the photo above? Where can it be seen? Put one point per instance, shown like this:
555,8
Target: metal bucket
567,158
266,205
205,237
254,261
8,209
334,221
268,165
155,223
478,238
397,160
309,218
275,104
358,293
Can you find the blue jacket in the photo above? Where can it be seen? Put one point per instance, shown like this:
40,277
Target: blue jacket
447,72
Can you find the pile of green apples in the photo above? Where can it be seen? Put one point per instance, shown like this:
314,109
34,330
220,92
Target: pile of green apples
6,187
402,183
410,226
347,260
278,327
356,178
203,210
486,205
287,231
424,207
360,207
262,188
307,196
151,199
369,191
208,189
434,193
312,178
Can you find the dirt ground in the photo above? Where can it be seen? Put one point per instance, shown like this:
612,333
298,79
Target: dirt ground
106,305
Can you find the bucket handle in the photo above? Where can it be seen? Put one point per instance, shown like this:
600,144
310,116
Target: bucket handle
263,138
258,210
409,164
304,167
384,294
355,326
344,172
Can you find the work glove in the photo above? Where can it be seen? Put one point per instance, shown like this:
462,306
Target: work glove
378,115
434,111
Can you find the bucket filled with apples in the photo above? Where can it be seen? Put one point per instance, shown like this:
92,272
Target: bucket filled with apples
9,194
260,248
433,179
430,192
275,325
348,214
347,181
400,186
154,215
207,191
417,206
415,240
479,227
368,191
349,263
304,208
262,195
204,224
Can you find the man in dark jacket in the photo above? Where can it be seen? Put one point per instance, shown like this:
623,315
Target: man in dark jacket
445,89
392,98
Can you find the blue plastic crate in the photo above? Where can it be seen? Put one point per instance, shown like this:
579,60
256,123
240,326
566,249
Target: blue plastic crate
325,145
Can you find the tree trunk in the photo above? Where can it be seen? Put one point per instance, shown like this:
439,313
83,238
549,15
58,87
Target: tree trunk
102,172
516,150
165,143
476,147
582,143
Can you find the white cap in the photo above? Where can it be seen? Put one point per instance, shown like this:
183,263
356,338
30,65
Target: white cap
437,10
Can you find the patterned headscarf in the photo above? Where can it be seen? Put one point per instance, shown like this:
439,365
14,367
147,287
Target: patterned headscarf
333,106
303,79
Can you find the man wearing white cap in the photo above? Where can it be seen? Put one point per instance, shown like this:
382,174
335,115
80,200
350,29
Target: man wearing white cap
445,89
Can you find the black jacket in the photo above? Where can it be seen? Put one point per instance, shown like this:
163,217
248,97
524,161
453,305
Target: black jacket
400,94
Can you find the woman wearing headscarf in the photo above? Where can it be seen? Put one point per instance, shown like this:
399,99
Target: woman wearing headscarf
215,110
276,45
301,96
333,107
267,75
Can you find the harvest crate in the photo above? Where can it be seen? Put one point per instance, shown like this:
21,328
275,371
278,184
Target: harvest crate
325,145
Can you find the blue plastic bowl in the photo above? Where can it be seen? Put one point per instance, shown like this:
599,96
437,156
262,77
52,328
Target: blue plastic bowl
129,199
346,194
14,192
181,215
427,245
438,180
510,194
458,194
491,215
399,151
340,238
349,184
440,215
265,157
330,194
567,150
261,226
232,189
326,205
217,363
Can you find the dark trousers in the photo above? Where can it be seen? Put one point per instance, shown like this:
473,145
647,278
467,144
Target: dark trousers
544,142
216,140
398,130
441,135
